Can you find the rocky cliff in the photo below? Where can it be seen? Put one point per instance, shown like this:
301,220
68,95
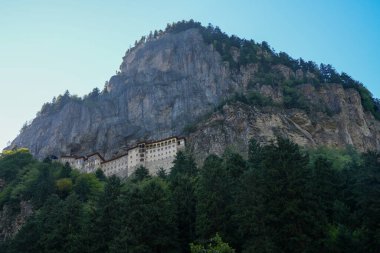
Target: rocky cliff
175,80
236,123
11,221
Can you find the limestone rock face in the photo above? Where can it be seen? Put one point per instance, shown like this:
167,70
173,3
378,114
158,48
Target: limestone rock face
174,81
235,124
164,85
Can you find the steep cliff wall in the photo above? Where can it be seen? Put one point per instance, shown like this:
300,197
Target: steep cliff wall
177,80
345,123
164,85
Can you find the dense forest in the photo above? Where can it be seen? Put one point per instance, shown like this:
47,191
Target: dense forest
282,198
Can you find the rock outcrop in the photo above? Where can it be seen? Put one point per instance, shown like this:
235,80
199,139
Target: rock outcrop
11,221
176,80
235,124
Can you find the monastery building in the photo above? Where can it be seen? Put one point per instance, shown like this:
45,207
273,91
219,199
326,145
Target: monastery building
151,155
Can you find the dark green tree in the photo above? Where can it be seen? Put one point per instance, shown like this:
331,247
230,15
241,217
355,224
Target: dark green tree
43,186
277,212
367,191
148,220
140,174
105,225
214,199
182,180
100,175
162,174
65,171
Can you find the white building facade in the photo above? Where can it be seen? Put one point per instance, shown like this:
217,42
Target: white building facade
152,155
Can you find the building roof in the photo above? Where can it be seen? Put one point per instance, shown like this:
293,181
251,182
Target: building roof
96,153
155,141
115,158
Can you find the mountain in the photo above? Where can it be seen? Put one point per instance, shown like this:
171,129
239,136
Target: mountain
217,90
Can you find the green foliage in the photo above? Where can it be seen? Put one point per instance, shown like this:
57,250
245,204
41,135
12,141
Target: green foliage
216,245
87,186
217,187
148,221
58,103
100,175
140,174
105,225
368,101
339,158
293,98
182,183
12,161
281,199
162,174
367,192
64,186
277,211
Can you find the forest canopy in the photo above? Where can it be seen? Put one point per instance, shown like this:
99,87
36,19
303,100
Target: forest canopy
282,198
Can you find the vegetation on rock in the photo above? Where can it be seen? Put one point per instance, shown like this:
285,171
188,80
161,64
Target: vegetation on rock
265,57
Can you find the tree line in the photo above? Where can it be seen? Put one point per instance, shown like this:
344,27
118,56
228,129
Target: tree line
282,198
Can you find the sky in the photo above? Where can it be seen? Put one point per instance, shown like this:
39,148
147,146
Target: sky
47,47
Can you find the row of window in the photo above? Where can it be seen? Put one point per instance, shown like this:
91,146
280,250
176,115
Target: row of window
161,144
167,152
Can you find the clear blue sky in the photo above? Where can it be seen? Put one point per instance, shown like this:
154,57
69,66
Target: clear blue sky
49,46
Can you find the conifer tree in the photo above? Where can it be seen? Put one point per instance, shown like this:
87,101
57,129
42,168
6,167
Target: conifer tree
277,211
214,199
182,180
106,225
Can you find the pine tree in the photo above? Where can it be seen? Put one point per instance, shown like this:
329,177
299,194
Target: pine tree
276,202
148,220
106,223
182,180
214,199
367,191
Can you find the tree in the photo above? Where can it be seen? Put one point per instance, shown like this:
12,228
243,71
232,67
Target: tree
148,220
277,212
42,186
65,171
216,245
12,162
64,187
367,191
214,195
182,180
162,174
106,224
100,175
184,164
324,183
87,186
254,153
140,174
94,93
